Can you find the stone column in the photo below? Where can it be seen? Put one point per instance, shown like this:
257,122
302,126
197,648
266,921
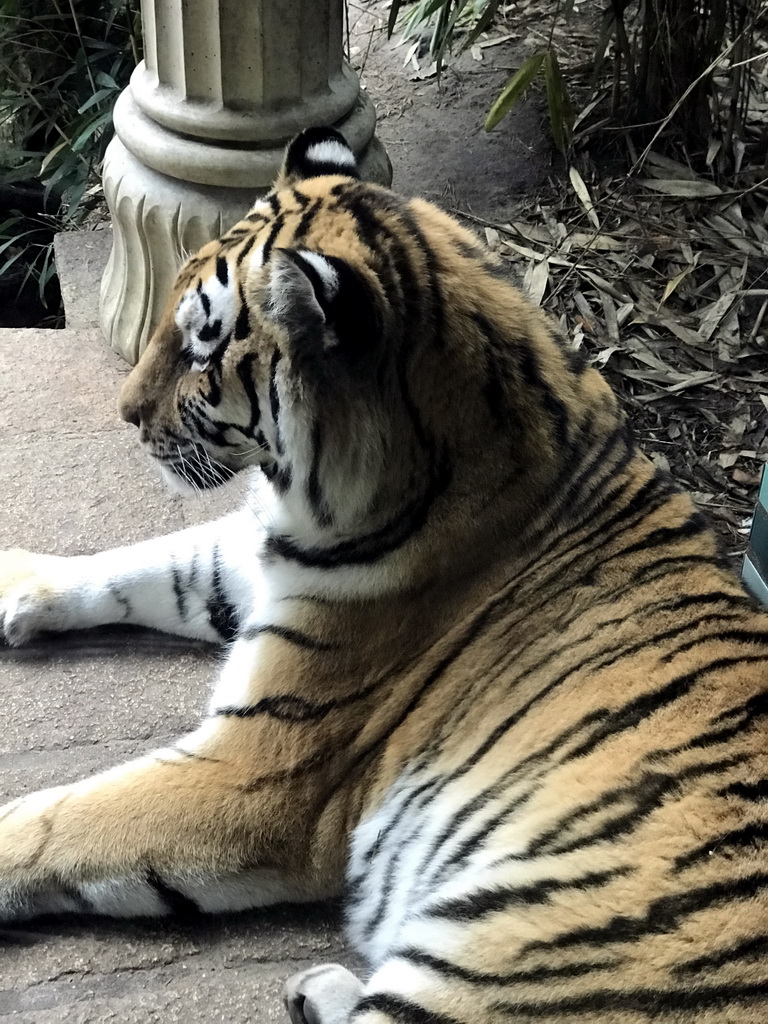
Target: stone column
200,133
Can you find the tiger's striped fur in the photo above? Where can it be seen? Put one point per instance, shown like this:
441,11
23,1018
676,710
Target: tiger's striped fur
486,663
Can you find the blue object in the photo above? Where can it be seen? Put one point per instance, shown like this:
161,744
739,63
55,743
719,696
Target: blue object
755,571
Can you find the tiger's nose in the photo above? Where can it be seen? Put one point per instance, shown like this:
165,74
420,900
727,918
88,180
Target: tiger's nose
130,414
131,409
133,403
135,409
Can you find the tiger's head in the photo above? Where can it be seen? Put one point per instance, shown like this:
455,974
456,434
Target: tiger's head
367,353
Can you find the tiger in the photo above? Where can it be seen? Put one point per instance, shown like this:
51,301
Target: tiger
487,675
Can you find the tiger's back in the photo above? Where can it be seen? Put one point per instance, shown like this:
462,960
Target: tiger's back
494,670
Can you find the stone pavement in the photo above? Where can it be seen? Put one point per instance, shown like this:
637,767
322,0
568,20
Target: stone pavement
72,479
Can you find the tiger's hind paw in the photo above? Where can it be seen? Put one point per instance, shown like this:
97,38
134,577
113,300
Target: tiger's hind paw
322,995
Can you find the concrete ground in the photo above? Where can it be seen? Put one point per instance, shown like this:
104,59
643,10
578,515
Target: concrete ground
73,480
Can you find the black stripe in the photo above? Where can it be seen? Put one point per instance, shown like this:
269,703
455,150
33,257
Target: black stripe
176,902
274,400
694,526
124,602
245,250
650,1002
725,845
398,278
204,300
756,706
544,756
301,199
433,275
192,755
317,503
481,902
399,1009
753,948
740,719
501,409
288,707
747,790
555,408
281,479
222,270
284,707
307,219
244,372
274,231
291,635
479,255
223,615
641,708
536,974
209,332
576,359
243,322
299,164
372,546
646,795
178,592
664,915
83,904
610,656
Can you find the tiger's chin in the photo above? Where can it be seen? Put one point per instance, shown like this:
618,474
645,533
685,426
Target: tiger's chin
188,484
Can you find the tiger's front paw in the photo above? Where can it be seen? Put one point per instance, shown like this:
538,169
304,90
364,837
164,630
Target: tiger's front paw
31,589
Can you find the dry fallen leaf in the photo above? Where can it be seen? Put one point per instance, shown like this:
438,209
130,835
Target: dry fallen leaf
535,281
584,197
682,188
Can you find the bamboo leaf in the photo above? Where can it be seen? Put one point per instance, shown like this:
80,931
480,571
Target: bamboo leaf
483,23
394,10
51,155
514,90
97,97
9,262
584,197
91,129
682,188
558,102
448,34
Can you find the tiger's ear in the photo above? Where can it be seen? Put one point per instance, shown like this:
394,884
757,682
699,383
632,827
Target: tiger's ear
316,151
323,304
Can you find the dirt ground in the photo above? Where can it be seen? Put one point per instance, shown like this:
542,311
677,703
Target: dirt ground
433,130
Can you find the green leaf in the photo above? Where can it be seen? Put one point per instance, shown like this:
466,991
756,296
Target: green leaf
9,263
435,5
483,23
106,81
97,97
514,89
394,10
448,33
90,130
16,239
558,103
